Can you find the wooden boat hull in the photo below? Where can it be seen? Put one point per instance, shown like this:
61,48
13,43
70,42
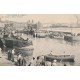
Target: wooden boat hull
12,43
72,38
68,38
39,34
58,37
25,51
63,58
76,38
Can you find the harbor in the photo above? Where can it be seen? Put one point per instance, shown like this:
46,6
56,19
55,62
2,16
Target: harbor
58,47
39,44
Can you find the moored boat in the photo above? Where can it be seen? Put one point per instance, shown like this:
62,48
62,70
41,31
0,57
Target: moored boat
63,58
25,51
76,37
56,35
40,34
14,42
72,37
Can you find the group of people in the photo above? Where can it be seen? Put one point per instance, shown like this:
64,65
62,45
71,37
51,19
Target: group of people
11,53
39,61
22,61
19,61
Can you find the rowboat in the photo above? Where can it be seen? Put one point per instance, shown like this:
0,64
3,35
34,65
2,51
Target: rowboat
63,58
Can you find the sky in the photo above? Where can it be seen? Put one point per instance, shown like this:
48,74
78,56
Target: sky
43,18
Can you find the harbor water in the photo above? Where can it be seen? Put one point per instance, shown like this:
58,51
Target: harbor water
43,46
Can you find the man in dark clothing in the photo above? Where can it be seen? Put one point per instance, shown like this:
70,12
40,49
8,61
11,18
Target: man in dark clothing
9,55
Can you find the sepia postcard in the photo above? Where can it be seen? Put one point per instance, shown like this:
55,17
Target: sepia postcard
39,39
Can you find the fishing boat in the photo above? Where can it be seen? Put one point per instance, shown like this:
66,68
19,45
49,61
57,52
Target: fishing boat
14,42
68,38
76,37
72,37
40,34
51,36
63,58
59,35
56,35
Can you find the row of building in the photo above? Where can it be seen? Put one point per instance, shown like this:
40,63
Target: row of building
10,26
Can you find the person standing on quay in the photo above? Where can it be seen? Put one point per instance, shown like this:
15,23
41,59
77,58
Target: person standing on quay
12,56
54,63
38,62
33,62
9,54
0,53
24,61
20,63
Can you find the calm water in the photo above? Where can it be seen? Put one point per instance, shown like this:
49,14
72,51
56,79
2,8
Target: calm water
43,46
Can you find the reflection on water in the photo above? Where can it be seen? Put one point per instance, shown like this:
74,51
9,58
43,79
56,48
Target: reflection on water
43,46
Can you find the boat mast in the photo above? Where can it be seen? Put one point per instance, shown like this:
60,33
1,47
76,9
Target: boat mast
77,20
71,28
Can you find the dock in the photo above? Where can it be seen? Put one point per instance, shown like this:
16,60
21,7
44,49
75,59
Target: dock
5,62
